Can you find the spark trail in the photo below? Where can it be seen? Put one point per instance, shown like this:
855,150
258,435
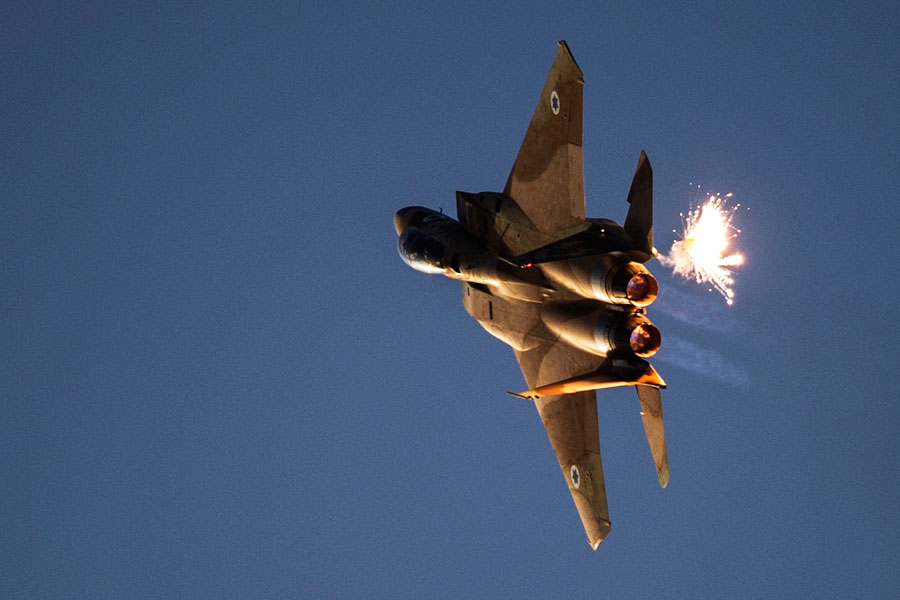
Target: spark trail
700,254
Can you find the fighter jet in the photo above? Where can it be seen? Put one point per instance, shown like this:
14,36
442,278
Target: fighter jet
567,293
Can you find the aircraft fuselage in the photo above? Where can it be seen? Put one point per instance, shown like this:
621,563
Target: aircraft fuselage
595,303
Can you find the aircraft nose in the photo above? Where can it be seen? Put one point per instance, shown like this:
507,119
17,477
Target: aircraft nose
401,218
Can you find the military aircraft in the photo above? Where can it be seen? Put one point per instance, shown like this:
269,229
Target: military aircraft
567,293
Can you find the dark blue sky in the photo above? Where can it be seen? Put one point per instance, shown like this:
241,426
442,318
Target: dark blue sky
219,380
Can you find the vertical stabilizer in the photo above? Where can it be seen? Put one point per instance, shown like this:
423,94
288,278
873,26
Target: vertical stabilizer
639,222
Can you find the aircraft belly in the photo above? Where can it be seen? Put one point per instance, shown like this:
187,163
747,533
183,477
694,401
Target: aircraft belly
513,322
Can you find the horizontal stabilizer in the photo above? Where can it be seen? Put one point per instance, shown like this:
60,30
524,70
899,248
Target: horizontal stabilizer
611,374
652,416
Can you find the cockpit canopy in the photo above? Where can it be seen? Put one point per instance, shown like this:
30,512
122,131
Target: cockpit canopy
421,250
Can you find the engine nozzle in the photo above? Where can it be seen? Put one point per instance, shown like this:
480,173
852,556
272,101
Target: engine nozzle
642,289
605,277
645,339
625,282
602,331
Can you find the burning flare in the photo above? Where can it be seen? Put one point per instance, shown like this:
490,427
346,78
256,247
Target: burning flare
700,253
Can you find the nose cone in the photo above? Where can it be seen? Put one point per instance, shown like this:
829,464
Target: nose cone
401,218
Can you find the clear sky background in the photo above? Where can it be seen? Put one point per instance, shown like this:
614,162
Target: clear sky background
217,378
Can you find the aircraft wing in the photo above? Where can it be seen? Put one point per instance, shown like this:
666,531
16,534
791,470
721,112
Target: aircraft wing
571,424
547,179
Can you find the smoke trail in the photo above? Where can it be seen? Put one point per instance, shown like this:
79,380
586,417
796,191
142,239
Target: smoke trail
702,312
693,358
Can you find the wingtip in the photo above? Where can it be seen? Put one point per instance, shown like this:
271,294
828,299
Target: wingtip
599,536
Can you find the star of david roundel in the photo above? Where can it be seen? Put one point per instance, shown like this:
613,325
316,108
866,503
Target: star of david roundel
576,477
554,102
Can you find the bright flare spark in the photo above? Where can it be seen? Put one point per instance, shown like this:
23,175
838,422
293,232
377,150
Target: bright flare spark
700,253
